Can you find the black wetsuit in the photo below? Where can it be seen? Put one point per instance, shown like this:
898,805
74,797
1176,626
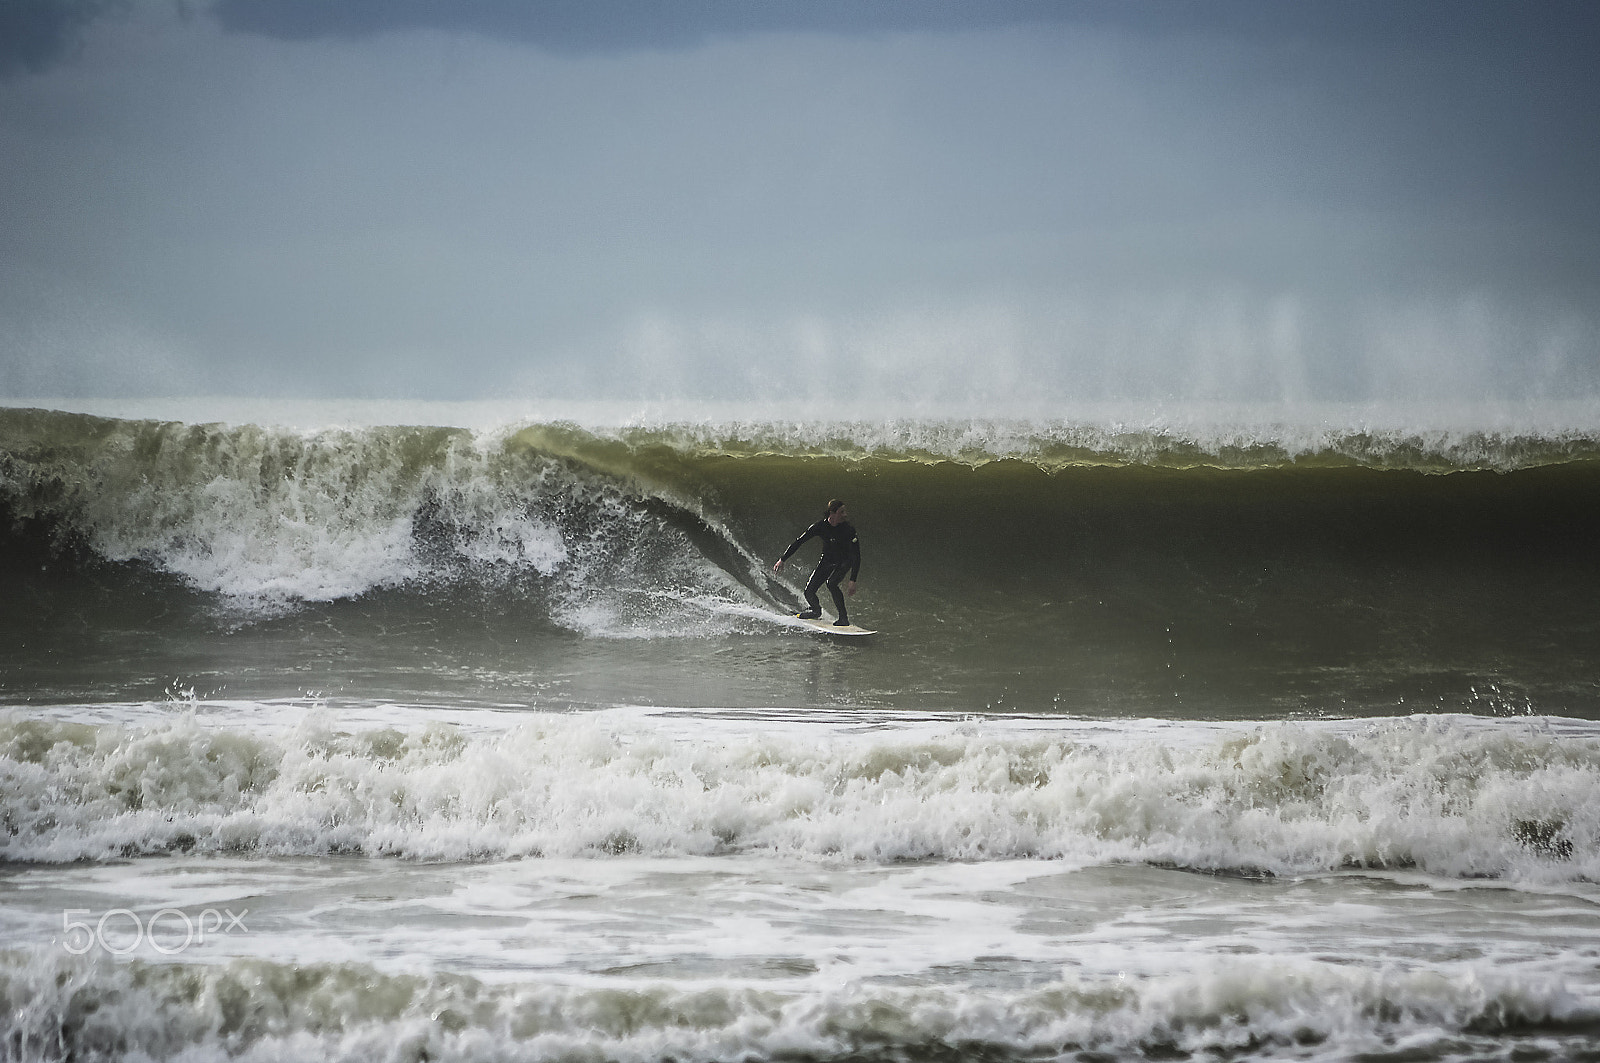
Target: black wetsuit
841,555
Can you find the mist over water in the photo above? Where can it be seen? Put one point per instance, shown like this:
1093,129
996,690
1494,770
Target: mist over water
1278,351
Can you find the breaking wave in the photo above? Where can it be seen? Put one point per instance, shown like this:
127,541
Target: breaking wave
267,518
672,512
1091,567
259,1010
1449,796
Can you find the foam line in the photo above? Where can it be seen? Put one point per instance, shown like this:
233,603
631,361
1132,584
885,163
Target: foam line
1442,796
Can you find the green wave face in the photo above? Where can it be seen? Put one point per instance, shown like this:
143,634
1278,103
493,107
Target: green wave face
1085,568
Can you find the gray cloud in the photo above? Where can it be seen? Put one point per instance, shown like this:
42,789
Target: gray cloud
35,34
572,25
612,24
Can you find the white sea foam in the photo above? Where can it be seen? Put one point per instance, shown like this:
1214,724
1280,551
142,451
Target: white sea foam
801,930
1507,798
289,517
255,1010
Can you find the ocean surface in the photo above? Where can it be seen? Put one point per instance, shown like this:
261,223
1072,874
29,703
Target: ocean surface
482,732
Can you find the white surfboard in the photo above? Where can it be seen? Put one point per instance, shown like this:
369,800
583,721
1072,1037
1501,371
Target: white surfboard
824,624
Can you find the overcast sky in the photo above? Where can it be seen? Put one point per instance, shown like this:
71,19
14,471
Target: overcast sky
983,202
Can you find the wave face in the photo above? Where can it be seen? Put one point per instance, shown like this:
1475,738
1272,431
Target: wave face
1095,567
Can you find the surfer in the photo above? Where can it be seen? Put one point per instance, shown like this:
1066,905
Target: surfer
841,554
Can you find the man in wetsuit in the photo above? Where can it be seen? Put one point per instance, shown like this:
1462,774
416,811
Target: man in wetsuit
841,554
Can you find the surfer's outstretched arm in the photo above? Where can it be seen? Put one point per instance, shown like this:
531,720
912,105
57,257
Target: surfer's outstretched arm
808,533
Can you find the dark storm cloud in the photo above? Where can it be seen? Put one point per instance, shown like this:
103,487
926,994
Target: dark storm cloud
1478,104
584,25
37,33
575,25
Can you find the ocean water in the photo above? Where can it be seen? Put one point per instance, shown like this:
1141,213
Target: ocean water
482,733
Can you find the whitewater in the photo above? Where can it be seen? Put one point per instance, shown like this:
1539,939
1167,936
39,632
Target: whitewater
480,733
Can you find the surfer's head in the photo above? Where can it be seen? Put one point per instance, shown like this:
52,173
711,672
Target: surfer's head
836,511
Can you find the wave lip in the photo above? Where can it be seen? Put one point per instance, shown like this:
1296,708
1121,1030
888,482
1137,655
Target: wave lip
1426,793
1229,437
